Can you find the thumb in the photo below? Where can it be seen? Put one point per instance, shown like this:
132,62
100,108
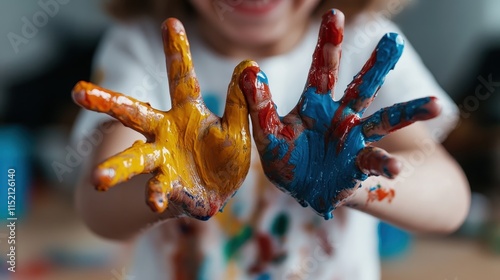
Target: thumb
265,120
236,111
376,161
235,121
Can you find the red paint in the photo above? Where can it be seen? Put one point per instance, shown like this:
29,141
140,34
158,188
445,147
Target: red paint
248,79
330,32
352,92
187,258
433,110
259,93
340,125
215,206
282,166
268,252
287,132
269,120
379,194
265,247
265,252
375,161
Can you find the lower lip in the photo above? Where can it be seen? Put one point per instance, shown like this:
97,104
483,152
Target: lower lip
264,8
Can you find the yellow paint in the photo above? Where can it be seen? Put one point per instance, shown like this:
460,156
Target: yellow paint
189,148
232,271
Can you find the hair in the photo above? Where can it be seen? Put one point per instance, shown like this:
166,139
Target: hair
162,9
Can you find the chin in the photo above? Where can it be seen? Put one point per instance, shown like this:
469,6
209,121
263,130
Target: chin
256,35
255,38
255,23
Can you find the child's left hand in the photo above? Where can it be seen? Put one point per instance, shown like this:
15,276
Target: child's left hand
198,159
319,153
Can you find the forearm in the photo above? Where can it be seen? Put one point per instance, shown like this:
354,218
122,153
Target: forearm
119,213
431,193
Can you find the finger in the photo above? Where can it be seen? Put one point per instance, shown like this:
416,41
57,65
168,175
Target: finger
236,112
326,58
131,112
363,89
157,192
138,159
181,76
265,120
397,116
163,192
196,201
375,161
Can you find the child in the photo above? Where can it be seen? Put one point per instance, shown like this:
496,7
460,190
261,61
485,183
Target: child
263,233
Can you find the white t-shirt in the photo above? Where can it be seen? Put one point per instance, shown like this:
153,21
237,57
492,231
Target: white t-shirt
262,233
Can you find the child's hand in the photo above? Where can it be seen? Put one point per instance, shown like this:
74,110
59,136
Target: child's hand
198,159
318,153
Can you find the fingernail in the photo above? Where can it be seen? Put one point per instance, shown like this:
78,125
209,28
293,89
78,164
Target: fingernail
332,28
392,167
102,178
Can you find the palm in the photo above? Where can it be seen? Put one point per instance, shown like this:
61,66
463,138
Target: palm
198,159
319,153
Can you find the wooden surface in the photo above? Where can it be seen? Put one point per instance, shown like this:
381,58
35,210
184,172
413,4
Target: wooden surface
449,258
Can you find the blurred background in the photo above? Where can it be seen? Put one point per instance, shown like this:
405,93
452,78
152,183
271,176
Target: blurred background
458,40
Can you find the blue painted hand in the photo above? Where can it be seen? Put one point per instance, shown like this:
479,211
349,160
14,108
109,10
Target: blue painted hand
320,152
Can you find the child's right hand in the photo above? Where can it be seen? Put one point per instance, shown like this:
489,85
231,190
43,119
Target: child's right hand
198,159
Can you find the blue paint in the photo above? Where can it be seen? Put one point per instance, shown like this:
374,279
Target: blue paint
204,268
394,117
310,168
261,77
280,144
319,173
201,218
387,54
221,209
198,204
397,115
387,172
237,209
264,276
318,107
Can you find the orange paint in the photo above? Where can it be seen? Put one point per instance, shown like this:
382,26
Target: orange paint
378,193
198,159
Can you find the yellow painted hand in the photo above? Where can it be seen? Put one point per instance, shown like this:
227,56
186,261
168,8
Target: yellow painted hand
198,159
